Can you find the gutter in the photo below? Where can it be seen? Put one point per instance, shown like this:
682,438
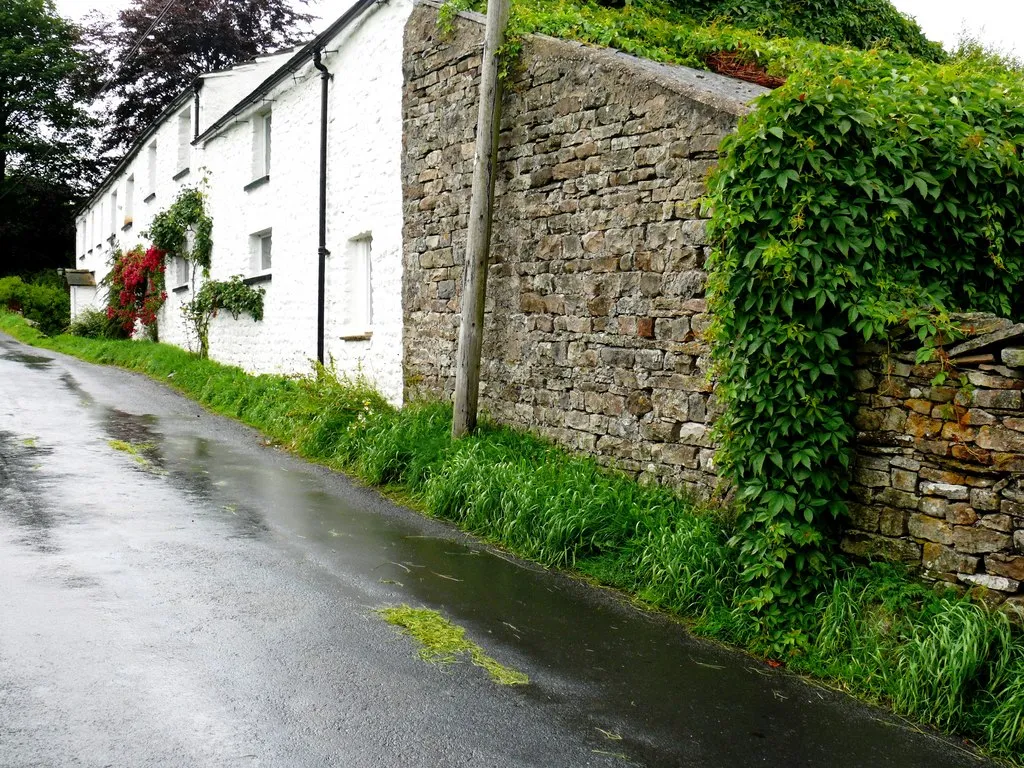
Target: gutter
322,252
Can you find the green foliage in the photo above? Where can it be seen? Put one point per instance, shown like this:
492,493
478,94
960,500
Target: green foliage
40,301
869,629
96,324
859,23
187,215
772,34
232,296
847,205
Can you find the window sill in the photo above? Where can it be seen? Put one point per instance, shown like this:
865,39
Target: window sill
149,198
263,278
180,174
179,288
356,335
256,183
126,227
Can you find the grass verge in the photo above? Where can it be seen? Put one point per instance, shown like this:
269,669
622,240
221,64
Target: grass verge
934,657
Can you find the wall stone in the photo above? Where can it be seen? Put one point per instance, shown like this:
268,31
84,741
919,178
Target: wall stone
595,311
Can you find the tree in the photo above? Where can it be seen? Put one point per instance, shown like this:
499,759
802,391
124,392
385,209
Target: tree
188,39
46,78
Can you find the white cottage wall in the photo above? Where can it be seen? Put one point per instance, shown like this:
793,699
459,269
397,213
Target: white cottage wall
364,197
103,231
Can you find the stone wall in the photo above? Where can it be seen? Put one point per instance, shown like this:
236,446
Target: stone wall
596,310
595,303
939,478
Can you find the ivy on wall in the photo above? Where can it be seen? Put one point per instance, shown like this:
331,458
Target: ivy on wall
232,296
171,227
859,197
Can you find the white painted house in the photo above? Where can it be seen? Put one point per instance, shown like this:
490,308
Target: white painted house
252,136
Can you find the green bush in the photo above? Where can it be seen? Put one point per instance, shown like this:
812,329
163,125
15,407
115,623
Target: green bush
95,324
847,205
41,301
860,23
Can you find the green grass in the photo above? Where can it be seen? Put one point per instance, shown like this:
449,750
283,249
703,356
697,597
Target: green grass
444,643
931,656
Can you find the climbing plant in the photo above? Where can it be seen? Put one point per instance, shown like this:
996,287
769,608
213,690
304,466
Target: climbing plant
171,227
859,197
135,287
232,295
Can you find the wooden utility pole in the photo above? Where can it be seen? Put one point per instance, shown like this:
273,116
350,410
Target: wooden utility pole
478,237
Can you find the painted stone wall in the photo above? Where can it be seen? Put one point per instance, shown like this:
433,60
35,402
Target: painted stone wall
939,478
595,304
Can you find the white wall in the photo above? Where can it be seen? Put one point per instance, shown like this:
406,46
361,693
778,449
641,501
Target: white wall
114,230
364,198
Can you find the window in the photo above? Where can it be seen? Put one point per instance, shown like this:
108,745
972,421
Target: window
360,287
113,213
129,201
184,145
261,250
97,212
261,140
180,272
151,171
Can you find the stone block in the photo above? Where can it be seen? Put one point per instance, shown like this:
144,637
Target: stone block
936,557
1018,541
873,545
1013,357
1001,399
904,479
893,522
864,517
1010,566
999,439
976,540
871,478
985,499
998,522
945,490
930,529
961,514
639,403
895,498
997,583
921,426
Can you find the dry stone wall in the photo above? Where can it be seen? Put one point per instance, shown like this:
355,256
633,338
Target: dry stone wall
595,304
939,477
596,312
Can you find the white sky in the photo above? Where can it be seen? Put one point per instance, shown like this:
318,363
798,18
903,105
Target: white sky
996,22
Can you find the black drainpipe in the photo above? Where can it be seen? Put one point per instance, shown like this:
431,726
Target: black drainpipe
195,96
322,252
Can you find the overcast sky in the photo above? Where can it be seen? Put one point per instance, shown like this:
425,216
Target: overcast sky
996,22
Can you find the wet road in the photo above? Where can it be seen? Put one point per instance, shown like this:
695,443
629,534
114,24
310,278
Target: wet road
213,605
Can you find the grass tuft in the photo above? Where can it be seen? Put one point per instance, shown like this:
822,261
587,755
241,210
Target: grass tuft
442,642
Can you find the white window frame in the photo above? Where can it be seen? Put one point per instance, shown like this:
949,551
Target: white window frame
129,202
184,141
181,272
358,268
113,213
262,144
151,167
261,253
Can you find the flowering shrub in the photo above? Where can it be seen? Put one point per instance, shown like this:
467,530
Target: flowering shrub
136,287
